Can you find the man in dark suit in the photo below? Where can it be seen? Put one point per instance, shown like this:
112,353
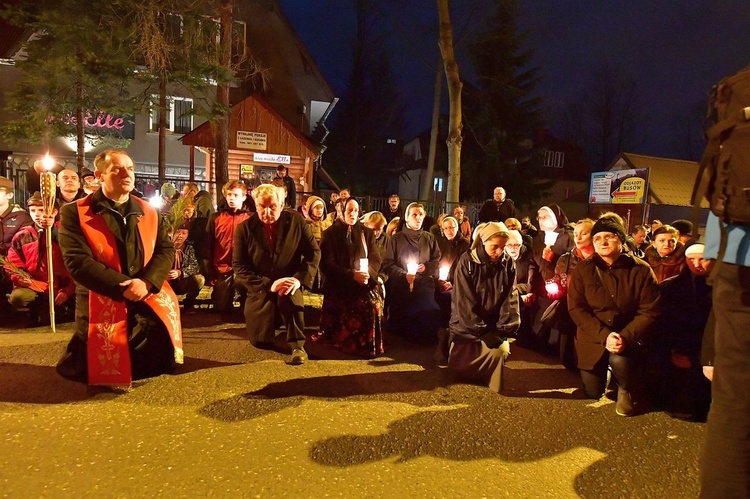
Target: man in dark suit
275,254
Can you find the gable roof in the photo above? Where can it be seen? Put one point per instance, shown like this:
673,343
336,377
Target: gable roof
670,180
254,114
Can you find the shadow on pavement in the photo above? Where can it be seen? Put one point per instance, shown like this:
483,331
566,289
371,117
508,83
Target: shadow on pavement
422,389
193,364
30,384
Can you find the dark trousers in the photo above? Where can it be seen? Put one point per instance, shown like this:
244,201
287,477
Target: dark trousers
725,466
595,380
222,296
261,310
190,286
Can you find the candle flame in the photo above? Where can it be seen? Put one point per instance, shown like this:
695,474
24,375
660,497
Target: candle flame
48,162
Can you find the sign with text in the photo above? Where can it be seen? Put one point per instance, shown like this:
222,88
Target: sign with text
619,187
102,123
272,158
247,171
252,140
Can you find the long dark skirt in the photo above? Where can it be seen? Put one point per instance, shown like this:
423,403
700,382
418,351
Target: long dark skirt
353,324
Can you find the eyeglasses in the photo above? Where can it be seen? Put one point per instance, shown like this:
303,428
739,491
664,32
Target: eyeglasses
600,238
513,246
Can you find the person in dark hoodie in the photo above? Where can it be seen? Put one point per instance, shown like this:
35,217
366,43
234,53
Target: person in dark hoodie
484,312
497,209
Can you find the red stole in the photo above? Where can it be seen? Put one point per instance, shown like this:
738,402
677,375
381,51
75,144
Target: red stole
108,354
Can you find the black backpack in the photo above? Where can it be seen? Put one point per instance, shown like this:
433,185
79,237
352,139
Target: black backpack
724,174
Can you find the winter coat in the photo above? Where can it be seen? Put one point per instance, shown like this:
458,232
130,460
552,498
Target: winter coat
492,211
563,244
219,240
483,299
668,266
11,222
317,226
631,310
339,258
450,251
28,252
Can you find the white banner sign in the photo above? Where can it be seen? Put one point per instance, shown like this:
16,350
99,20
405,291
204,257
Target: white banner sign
272,158
251,140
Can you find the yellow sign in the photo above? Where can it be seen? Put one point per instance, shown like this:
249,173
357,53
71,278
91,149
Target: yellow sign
251,140
631,191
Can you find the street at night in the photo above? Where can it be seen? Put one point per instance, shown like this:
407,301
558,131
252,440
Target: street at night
234,421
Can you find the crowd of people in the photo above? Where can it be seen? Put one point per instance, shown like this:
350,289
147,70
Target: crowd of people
612,303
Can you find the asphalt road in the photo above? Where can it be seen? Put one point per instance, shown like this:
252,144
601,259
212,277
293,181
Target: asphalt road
239,422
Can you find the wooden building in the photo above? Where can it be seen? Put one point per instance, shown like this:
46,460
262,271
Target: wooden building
259,140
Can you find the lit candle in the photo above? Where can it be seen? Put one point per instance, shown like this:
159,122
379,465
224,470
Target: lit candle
411,269
364,265
47,185
443,273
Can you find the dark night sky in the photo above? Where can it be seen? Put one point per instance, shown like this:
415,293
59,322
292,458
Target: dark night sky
674,50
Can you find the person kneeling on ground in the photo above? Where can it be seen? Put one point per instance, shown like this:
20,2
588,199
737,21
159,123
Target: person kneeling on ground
485,308
275,254
613,298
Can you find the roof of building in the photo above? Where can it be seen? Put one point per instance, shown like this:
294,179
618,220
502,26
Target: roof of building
670,180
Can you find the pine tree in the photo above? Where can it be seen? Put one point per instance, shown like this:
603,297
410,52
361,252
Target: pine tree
78,59
501,113
369,113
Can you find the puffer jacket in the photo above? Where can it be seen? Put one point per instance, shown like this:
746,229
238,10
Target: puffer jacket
27,252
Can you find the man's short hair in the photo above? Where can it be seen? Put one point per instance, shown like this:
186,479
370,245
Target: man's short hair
104,158
392,196
637,228
68,170
191,187
232,185
267,191
281,168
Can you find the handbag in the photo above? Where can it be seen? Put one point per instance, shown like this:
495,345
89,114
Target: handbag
551,315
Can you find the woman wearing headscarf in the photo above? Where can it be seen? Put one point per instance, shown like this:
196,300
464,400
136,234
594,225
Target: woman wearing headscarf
485,308
452,245
527,284
352,309
553,240
613,298
411,263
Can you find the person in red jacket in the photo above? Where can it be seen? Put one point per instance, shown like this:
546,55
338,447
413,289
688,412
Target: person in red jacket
28,253
219,242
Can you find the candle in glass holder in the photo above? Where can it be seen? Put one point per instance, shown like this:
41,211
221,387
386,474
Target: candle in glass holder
443,273
364,265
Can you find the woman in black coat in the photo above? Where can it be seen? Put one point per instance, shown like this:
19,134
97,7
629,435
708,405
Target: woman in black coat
352,305
411,263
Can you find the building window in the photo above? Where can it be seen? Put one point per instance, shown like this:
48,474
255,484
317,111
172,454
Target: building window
437,184
390,141
554,159
179,114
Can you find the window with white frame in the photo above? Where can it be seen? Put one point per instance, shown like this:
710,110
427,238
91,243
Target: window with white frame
179,114
554,159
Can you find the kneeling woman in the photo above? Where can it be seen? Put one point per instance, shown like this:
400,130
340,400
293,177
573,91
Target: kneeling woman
411,263
613,298
352,301
485,308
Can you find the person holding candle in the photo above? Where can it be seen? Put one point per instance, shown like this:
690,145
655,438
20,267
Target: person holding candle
563,269
411,263
28,252
352,311
452,245
485,311
553,240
